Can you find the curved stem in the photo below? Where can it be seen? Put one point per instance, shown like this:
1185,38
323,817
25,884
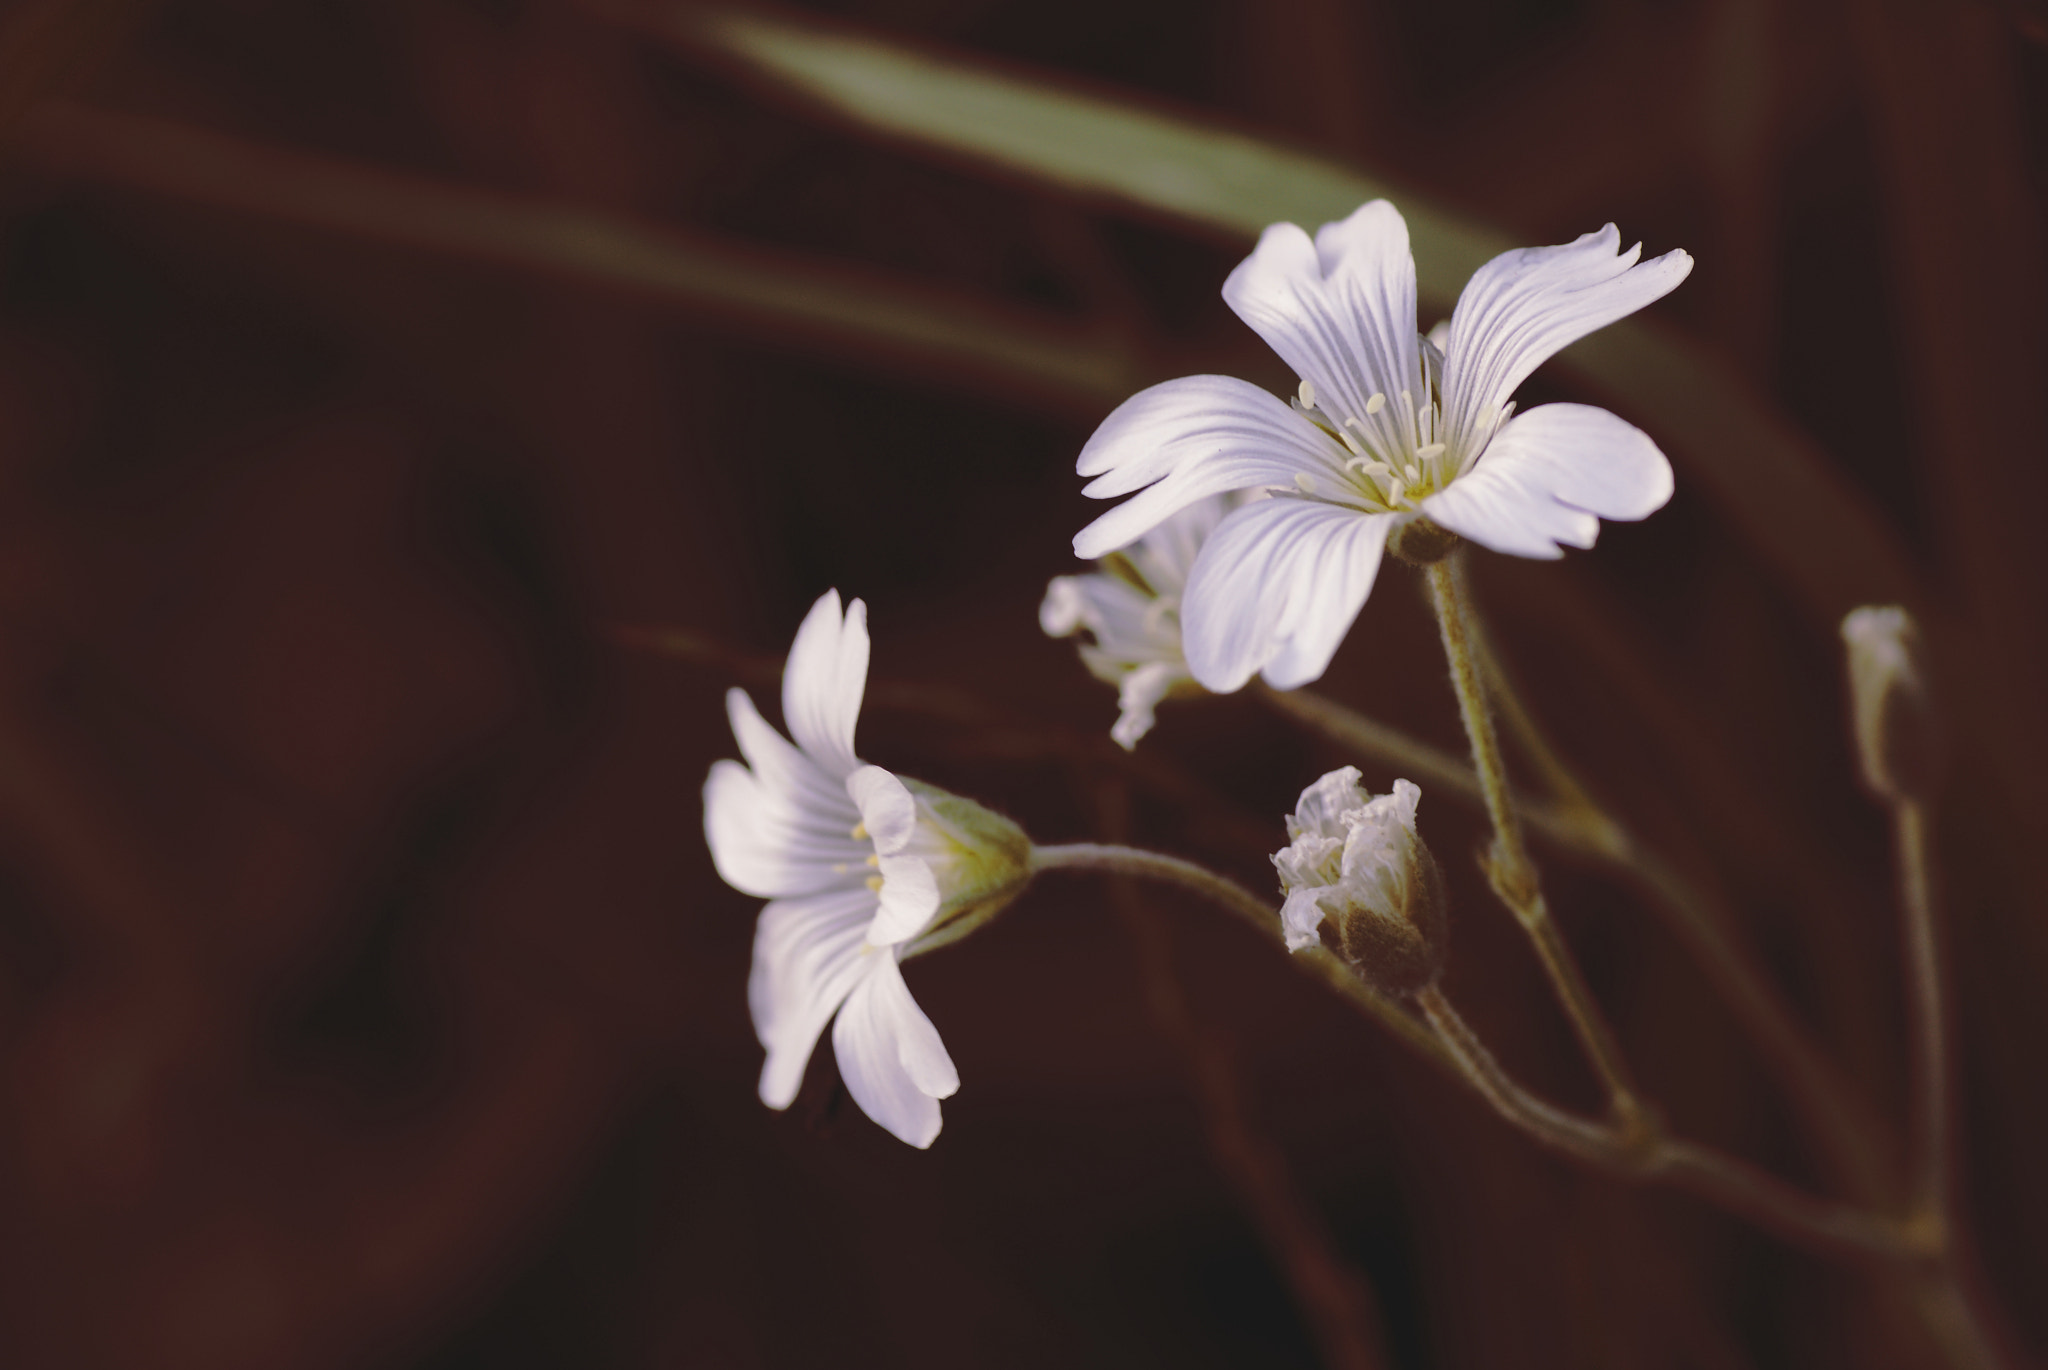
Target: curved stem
1841,1124
1636,1150
1256,912
1933,1113
1512,874
1645,1153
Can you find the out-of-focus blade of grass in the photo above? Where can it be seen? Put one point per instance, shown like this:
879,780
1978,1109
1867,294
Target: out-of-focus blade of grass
775,296
1770,480
1044,132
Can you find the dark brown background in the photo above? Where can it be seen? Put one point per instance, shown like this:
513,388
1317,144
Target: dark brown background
366,993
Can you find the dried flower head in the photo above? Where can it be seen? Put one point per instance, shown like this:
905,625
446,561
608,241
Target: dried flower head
1359,864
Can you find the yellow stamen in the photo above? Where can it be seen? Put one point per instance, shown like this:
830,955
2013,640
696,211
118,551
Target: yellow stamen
875,883
860,832
875,861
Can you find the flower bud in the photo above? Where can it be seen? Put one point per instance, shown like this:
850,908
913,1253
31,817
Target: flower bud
1898,736
980,859
1359,864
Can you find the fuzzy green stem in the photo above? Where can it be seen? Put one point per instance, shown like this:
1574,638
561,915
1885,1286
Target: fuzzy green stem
1839,1121
1509,869
1254,911
1928,1013
1645,1153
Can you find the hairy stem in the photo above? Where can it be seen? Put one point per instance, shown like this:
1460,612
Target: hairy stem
1509,869
1257,913
1644,1153
1841,1123
1933,1112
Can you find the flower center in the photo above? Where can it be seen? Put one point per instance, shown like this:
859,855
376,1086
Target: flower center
1398,453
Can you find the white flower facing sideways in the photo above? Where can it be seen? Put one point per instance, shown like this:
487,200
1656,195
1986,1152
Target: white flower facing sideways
1132,609
861,868
1386,428
1360,864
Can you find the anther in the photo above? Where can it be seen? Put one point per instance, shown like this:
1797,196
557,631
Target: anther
1306,482
875,861
860,832
1376,403
875,883
1351,442
1425,453
1308,394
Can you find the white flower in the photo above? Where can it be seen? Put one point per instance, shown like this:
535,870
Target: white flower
1388,427
1132,608
1359,862
862,868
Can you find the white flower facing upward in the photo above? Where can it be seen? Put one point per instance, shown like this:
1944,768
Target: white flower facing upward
1359,863
861,868
1132,609
1387,428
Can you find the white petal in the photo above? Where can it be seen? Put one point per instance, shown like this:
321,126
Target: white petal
808,955
1165,555
1276,588
909,898
1195,437
764,847
784,771
887,810
1065,610
910,891
1340,310
824,679
890,1056
1322,806
1406,797
1523,306
1544,477
1119,614
1138,695
1301,918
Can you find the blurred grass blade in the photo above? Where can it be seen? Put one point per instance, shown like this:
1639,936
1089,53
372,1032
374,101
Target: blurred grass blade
1113,149
1771,481
856,315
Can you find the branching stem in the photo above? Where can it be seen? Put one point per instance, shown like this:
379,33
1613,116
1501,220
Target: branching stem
1509,869
1630,1146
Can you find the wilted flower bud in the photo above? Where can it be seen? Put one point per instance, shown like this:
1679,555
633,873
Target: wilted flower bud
1359,863
980,859
1898,738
